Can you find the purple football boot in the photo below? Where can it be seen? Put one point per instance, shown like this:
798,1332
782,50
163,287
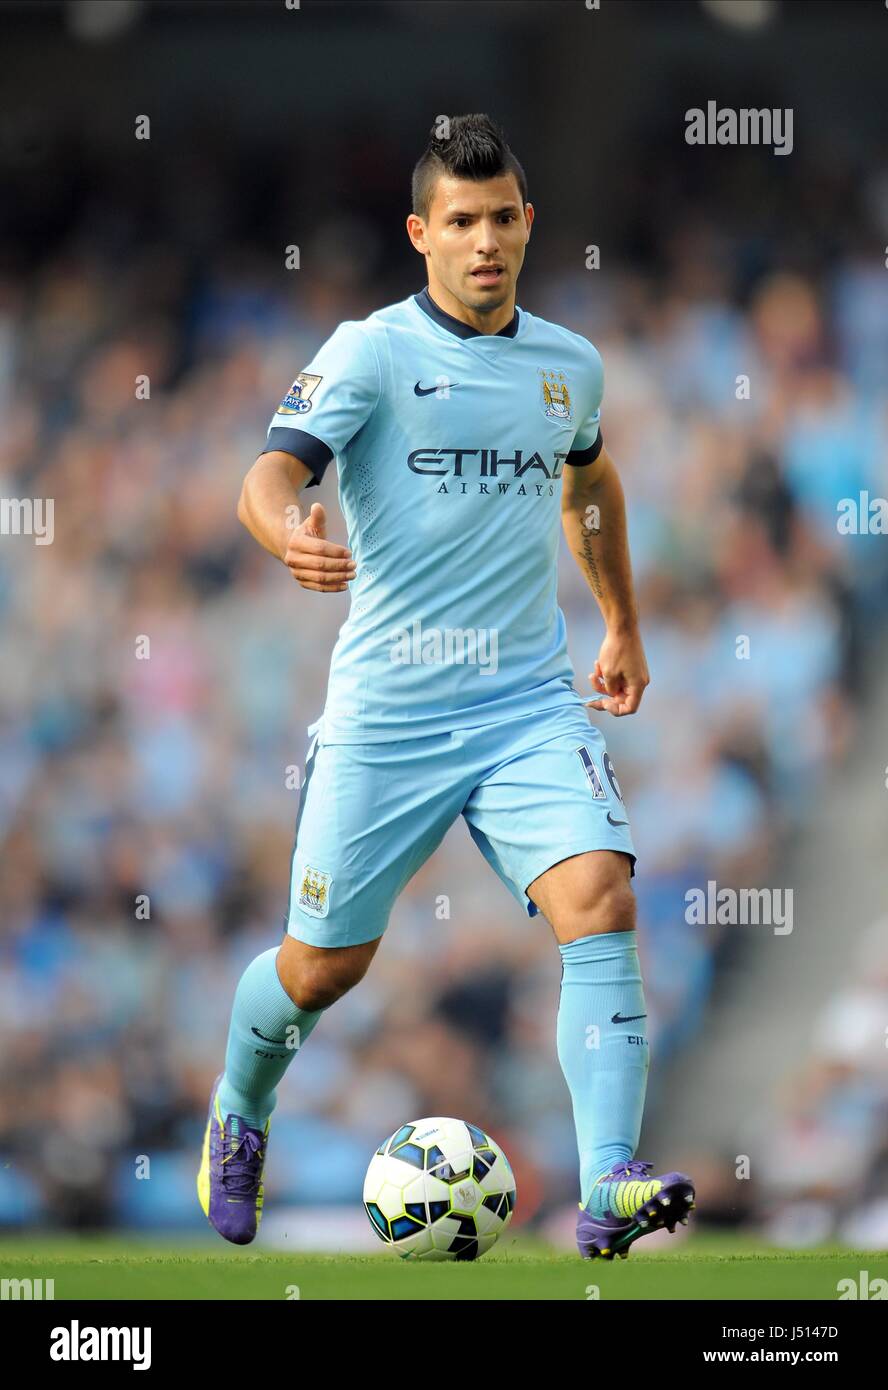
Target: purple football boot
229,1182
635,1205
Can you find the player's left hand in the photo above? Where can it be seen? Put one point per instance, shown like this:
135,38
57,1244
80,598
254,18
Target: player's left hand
620,674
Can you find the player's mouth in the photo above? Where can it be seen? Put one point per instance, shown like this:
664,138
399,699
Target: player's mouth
488,274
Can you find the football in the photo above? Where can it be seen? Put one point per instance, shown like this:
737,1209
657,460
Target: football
439,1189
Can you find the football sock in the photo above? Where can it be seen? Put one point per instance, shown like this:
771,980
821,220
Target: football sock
603,1051
266,1031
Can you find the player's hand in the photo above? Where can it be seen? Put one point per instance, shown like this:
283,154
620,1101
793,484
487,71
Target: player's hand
315,562
620,674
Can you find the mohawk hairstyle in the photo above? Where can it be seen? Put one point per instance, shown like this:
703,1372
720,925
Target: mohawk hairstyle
476,148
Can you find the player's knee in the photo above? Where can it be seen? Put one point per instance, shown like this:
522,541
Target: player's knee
609,907
316,984
312,994
615,911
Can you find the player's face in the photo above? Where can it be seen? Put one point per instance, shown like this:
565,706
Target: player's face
474,239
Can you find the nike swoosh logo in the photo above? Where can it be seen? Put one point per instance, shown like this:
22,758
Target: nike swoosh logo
430,390
616,822
618,1018
281,1042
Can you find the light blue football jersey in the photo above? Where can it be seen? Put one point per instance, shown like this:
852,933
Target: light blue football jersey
450,446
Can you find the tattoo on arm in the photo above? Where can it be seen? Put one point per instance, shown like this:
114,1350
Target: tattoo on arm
590,563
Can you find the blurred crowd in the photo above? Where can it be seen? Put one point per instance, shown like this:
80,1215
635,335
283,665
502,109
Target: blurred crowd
826,1168
159,670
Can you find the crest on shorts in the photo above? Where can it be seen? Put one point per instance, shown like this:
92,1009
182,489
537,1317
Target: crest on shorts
314,895
298,399
556,396
591,772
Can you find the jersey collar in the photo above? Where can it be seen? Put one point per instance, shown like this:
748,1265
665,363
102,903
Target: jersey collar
456,326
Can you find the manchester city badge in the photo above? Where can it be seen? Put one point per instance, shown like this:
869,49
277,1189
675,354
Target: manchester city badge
314,895
556,397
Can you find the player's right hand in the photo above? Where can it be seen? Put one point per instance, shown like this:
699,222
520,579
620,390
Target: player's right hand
315,562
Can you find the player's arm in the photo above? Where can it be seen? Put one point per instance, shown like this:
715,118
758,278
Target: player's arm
323,410
269,508
593,512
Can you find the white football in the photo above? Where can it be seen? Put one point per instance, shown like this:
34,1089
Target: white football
439,1189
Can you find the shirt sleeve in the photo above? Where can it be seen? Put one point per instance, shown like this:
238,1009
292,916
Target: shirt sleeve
588,441
328,402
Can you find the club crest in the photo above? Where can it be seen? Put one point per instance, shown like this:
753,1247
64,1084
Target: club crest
314,895
555,395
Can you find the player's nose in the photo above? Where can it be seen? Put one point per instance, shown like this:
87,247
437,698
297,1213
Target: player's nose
488,239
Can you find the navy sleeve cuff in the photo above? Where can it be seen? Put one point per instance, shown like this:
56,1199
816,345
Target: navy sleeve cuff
578,457
311,451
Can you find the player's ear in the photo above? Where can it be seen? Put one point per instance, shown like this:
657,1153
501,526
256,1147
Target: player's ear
416,232
528,217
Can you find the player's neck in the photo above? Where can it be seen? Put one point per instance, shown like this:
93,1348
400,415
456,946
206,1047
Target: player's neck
491,322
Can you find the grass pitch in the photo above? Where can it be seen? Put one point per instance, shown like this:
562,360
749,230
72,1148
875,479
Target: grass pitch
706,1267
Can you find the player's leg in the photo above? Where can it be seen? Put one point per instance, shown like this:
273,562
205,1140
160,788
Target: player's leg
586,894
603,1051
278,1000
550,819
368,819
601,1032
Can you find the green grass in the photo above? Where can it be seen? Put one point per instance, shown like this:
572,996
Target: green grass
705,1267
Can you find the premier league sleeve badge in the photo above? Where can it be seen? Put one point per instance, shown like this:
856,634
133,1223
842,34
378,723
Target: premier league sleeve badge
298,399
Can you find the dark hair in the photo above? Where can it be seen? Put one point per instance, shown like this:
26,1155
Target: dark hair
475,148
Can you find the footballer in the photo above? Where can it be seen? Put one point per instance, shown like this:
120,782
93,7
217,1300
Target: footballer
466,431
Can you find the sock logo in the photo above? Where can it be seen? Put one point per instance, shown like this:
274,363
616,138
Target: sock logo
630,1018
281,1042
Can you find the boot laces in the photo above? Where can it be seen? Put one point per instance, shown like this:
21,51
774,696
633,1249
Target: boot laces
242,1162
